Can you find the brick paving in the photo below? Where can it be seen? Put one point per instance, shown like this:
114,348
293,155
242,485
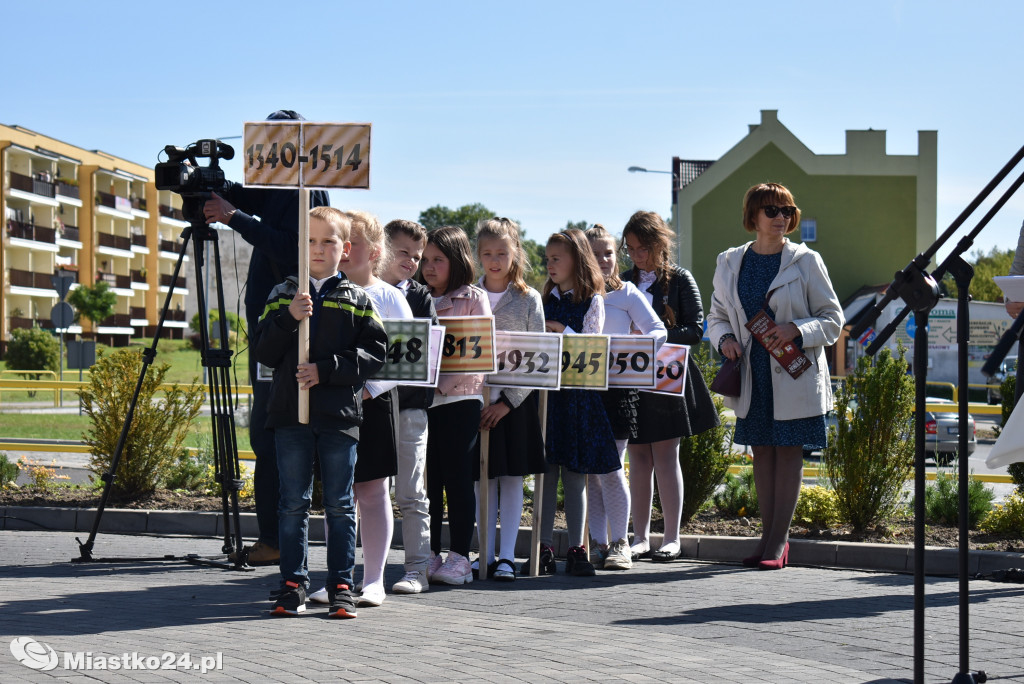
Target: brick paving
677,622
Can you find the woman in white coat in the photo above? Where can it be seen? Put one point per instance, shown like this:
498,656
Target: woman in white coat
776,414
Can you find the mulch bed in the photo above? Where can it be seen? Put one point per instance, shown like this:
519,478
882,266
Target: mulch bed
710,523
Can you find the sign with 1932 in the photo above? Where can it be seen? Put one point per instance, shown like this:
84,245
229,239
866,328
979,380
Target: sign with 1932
306,154
526,359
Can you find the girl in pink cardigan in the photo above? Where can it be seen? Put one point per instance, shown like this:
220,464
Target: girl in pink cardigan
453,446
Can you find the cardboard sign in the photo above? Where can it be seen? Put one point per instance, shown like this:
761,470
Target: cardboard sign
527,360
306,154
468,345
631,361
670,373
585,361
407,358
434,358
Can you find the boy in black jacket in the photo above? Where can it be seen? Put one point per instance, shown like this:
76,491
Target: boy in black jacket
347,346
407,240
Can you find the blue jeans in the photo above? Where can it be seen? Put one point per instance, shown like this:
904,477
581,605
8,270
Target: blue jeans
296,447
265,478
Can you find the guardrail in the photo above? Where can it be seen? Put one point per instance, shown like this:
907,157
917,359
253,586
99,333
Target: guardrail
29,385
81,448
816,472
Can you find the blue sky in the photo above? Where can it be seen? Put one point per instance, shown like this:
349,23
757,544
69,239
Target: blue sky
535,110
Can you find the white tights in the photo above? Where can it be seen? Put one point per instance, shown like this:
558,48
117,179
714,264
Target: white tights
608,502
646,461
511,500
376,525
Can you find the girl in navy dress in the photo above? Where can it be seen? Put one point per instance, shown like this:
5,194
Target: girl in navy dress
579,435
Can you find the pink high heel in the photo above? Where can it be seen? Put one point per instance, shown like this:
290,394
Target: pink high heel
776,564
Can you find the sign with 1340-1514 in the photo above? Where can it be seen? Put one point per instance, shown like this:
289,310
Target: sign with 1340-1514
306,154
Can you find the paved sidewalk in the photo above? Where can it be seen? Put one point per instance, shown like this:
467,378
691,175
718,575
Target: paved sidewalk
676,622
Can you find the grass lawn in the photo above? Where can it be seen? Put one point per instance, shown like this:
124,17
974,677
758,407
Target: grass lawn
71,427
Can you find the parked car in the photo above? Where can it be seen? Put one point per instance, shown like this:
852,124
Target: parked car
942,433
1008,366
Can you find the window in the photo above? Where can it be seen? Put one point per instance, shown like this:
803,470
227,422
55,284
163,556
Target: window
809,230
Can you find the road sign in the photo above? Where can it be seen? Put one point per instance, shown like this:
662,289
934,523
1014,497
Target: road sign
62,315
62,283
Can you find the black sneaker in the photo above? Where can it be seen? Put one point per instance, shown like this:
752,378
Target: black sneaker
290,600
342,600
547,562
577,564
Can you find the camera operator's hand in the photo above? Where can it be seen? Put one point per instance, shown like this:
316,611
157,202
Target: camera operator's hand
217,209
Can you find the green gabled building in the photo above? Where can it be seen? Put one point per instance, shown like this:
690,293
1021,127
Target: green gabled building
866,212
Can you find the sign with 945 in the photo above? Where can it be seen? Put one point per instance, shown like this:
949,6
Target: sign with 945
585,361
307,154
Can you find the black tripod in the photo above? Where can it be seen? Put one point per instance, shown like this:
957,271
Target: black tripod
920,292
217,362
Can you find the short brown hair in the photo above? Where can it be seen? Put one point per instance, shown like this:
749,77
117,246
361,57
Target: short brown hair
336,218
586,274
454,244
763,195
409,228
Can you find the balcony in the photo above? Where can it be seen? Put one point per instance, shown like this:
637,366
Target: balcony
117,321
33,185
137,312
165,281
120,281
139,203
136,276
138,240
28,231
67,190
70,233
114,241
19,278
170,246
171,213
176,315
22,322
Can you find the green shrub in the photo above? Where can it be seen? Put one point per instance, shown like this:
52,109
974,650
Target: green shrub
705,458
739,495
32,349
870,452
190,471
8,472
159,427
1007,518
817,506
942,501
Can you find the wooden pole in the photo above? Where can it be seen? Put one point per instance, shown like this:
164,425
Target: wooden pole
303,287
483,528
538,491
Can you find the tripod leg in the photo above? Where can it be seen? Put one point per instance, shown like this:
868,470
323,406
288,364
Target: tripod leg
85,549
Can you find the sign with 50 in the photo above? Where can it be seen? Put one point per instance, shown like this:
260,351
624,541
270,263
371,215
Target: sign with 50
631,362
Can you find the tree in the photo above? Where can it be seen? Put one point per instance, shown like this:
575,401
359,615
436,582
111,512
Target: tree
32,349
579,225
538,274
95,303
996,263
466,216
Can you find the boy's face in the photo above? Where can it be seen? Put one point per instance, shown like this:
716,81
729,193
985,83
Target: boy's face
326,249
406,253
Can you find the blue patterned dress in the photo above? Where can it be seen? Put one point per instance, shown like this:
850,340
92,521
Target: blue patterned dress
760,428
579,434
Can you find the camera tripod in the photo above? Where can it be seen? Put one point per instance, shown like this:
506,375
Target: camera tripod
217,362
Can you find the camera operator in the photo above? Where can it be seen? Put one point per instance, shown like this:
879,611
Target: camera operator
274,236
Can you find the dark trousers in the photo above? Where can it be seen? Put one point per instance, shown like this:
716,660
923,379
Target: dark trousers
453,446
266,481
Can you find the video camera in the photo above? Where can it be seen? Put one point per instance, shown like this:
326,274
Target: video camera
182,174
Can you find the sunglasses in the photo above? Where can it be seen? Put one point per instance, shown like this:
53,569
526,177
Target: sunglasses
771,211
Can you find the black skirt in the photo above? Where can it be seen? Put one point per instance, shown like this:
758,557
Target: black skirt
377,451
621,405
516,445
661,416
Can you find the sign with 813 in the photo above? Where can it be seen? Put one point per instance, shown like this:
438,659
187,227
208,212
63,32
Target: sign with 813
468,344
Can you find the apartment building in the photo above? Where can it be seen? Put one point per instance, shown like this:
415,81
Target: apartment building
92,216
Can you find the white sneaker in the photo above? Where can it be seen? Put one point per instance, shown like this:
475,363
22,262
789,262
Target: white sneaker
455,570
373,595
619,556
319,596
412,583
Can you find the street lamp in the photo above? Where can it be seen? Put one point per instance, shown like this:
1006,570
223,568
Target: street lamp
640,169
675,187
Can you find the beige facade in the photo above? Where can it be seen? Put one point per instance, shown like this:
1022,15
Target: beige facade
88,214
